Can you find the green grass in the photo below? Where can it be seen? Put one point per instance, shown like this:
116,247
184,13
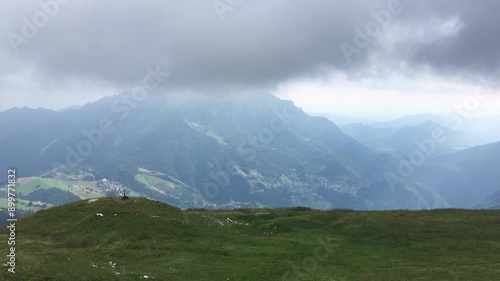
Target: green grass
32,184
29,185
21,205
151,238
173,186
153,181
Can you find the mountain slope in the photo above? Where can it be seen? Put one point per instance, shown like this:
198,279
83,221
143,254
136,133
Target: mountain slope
343,120
465,177
410,120
233,152
405,140
254,149
490,202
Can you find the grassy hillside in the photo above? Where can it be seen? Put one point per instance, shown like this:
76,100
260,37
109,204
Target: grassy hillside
22,205
27,185
34,185
142,238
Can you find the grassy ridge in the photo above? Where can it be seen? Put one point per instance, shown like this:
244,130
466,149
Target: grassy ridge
31,185
148,238
28,185
21,205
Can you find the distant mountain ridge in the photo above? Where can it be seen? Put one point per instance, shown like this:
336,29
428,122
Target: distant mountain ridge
404,140
223,152
411,120
343,120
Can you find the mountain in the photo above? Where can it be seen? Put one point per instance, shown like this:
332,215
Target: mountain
343,120
490,202
481,130
74,107
137,239
375,138
465,177
228,152
405,140
253,150
411,120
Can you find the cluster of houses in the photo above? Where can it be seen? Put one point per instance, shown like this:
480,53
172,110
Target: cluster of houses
86,189
110,186
102,185
37,204
81,176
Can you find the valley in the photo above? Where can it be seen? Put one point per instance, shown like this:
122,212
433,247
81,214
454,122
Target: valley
199,152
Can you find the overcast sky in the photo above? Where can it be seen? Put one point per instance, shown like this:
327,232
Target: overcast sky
376,58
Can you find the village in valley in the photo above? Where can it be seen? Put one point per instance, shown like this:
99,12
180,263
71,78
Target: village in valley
88,183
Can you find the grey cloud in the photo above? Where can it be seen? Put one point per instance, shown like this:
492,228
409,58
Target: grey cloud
473,50
259,43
